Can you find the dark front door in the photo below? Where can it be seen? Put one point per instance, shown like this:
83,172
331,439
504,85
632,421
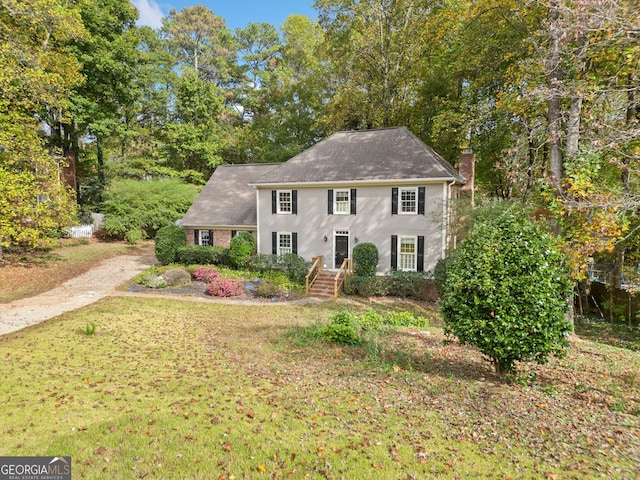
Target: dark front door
341,247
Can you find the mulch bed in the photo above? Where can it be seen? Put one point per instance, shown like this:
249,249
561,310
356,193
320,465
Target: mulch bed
199,289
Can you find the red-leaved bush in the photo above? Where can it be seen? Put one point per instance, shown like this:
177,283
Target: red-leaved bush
225,287
206,274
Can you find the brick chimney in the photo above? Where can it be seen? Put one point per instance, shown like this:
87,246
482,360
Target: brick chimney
467,168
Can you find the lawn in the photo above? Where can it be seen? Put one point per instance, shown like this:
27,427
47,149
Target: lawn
179,389
28,273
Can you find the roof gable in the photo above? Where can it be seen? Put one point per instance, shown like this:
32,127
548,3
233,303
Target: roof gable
361,156
227,199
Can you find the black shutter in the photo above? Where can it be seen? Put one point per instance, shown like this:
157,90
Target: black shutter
274,202
196,237
330,202
394,201
421,201
211,237
233,233
294,242
274,243
353,201
294,202
394,252
420,266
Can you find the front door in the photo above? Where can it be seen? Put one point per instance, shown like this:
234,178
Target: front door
341,247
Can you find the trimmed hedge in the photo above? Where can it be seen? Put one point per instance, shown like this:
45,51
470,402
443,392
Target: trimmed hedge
365,286
294,266
414,285
408,284
201,255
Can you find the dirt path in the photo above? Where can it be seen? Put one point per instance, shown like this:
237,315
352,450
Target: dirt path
78,292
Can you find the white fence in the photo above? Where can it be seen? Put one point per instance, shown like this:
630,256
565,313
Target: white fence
81,231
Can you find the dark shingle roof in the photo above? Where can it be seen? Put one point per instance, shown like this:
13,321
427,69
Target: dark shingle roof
227,199
367,155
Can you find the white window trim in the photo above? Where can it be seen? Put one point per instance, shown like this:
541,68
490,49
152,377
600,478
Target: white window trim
283,234
400,204
278,204
347,202
415,253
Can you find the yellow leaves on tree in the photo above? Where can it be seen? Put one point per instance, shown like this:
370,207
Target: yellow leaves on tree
36,73
592,213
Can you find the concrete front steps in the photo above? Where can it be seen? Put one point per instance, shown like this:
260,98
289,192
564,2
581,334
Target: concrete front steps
323,287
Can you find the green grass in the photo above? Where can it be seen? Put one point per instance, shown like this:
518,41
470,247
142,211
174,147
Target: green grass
179,389
619,334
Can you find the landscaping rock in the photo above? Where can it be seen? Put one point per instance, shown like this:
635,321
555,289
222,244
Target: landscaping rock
177,277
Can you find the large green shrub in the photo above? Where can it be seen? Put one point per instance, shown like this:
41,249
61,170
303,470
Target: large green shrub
365,259
506,292
242,248
136,209
168,240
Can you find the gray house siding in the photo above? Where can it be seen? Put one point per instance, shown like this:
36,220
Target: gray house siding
367,219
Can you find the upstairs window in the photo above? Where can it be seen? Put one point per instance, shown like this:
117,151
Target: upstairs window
342,202
284,202
408,200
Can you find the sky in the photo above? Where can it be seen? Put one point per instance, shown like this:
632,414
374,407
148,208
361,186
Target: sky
236,13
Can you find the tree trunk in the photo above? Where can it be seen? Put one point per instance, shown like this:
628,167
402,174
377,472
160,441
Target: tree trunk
69,152
100,155
573,128
554,108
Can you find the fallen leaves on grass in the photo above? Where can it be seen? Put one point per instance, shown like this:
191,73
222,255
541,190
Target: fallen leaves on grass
224,389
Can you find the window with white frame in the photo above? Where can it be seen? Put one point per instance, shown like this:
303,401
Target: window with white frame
407,254
342,201
408,200
284,201
205,238
285,244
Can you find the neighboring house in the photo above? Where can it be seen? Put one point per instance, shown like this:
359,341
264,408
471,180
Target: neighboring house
382,186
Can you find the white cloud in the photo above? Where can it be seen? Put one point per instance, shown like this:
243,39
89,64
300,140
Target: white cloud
150,13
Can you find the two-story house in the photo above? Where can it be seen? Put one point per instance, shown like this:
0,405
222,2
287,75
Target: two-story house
382,186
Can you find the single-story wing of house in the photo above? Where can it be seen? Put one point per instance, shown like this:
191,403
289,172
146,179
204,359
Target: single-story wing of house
380,186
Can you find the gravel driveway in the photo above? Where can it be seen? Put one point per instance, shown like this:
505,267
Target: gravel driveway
78,292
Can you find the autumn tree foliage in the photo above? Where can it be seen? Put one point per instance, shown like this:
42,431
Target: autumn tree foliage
36,72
